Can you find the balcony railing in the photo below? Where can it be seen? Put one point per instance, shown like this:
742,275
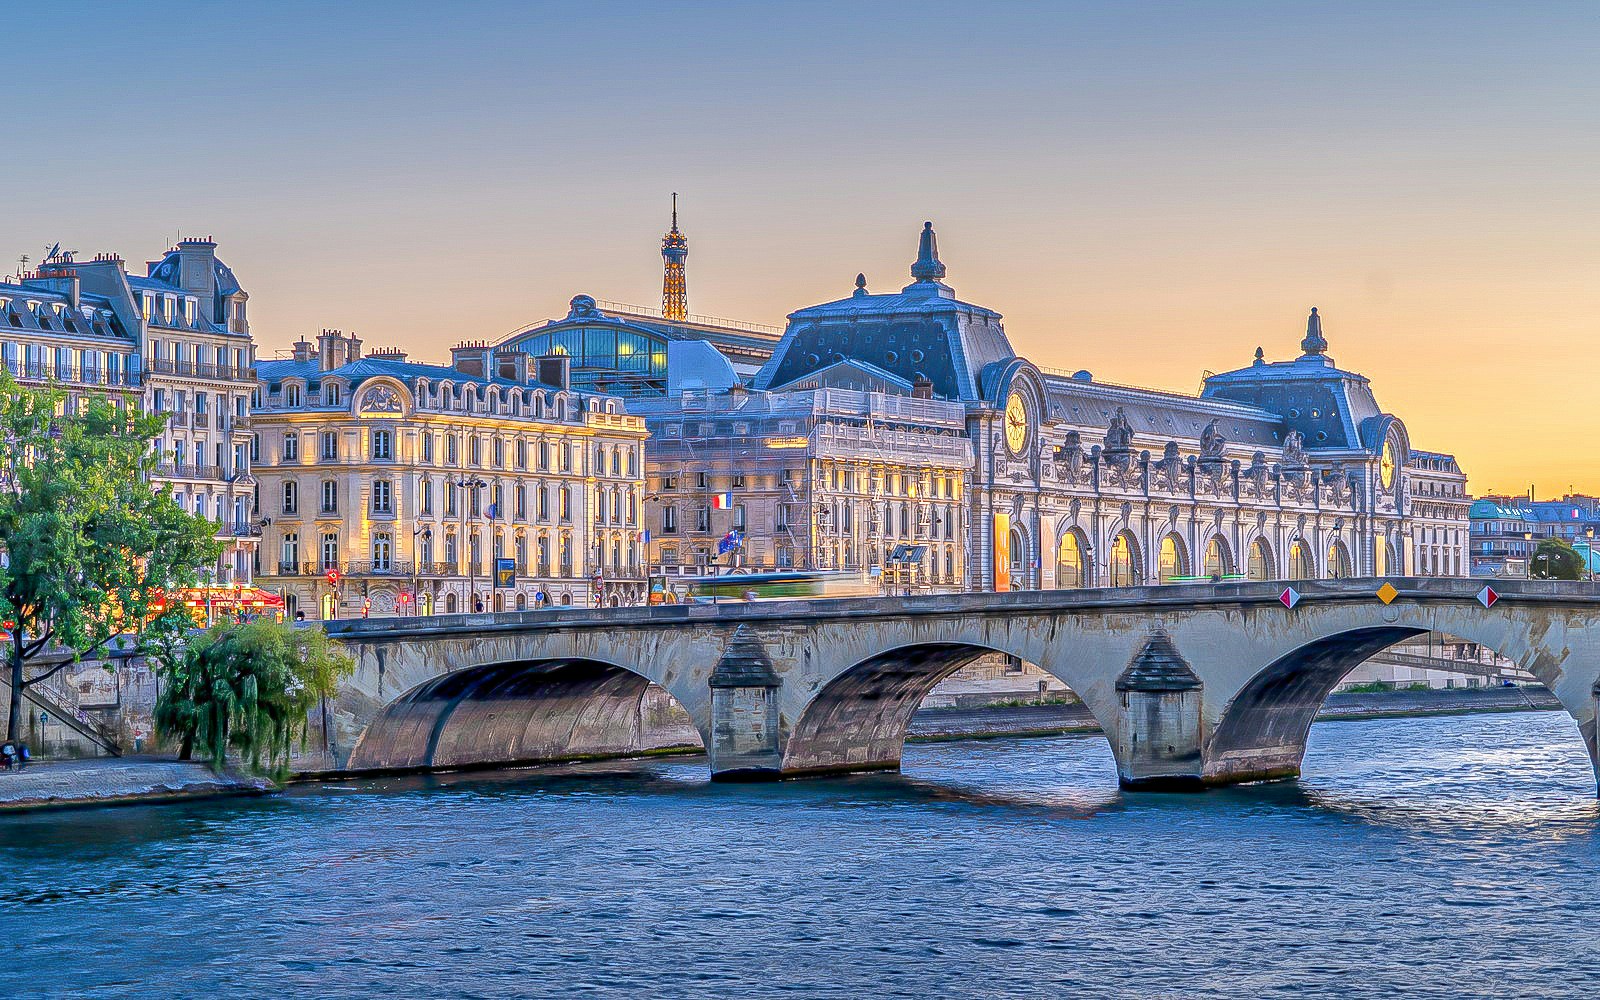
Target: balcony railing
392,567
73,374
190,369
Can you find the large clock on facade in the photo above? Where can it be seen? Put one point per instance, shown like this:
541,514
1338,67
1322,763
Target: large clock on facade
1386,466
1016,423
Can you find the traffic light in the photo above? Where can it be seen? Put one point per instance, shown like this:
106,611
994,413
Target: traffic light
366,607
333,578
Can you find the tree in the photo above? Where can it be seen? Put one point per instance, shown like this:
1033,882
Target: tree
90,545
248,688
1554,559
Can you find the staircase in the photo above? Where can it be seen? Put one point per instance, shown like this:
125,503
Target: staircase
89,737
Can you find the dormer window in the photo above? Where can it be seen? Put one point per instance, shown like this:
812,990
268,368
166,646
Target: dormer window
149,306
291,395
330,394
191,306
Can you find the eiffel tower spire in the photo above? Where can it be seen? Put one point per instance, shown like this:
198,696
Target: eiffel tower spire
674,285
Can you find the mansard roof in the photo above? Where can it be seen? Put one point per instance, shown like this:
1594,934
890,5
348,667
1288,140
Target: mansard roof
408,372
1333,409
921,332
95,315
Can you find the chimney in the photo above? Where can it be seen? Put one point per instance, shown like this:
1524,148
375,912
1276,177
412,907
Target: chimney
555,370
471,357
304,350
922,388
337,350
61,278
387,353
511,365
197,264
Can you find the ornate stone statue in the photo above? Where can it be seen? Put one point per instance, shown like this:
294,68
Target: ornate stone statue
1212,442
1119,435
1169,470
1294,450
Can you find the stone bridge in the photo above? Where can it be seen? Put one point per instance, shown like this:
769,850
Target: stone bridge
1194,685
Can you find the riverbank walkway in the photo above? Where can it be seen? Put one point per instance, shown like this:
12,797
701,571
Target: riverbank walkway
106,780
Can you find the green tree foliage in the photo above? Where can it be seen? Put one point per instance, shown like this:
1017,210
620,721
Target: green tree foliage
249,689
89,543
1554,559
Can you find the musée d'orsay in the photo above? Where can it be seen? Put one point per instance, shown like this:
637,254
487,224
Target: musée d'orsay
898,432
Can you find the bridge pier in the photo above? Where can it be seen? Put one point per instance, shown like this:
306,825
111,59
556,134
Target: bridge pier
1157,736
744,713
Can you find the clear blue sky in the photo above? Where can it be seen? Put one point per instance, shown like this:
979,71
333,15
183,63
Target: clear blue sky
1146,190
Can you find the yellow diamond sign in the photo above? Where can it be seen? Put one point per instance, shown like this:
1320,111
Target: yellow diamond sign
1387,593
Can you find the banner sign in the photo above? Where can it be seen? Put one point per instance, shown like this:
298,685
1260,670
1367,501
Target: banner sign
505,572
1002,553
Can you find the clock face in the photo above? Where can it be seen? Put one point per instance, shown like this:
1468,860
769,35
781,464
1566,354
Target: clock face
1016,423
1386,466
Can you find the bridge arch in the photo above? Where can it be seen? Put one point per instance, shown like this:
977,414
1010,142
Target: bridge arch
858,719
525,711
1261,731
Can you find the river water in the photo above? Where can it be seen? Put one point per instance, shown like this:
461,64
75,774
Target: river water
1441,857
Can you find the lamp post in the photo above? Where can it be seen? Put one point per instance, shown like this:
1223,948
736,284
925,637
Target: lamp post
468,486
426,533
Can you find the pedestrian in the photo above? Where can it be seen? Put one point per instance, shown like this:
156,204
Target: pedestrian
23,756
477,604
7,753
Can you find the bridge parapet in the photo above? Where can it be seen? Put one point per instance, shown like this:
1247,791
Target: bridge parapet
790,687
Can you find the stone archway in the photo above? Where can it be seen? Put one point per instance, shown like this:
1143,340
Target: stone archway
501,714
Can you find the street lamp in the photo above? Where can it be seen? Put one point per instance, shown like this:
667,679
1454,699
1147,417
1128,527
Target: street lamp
467,486
426,532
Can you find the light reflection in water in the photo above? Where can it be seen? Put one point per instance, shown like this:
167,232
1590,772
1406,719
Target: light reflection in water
1417,857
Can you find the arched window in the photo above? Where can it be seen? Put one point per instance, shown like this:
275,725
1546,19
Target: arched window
449,604
1070,562
1170,563
1339,561
1260,561
1301,566
1217,562
1125,569
1388,561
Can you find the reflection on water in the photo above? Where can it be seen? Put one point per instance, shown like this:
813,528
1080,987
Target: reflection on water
1420,857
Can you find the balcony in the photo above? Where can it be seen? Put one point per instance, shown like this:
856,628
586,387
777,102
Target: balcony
239,529
392,567
202,420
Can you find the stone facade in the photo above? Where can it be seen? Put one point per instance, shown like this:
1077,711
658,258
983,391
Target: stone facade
406,482
175,340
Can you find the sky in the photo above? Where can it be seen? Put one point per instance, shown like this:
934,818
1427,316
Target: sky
1145,190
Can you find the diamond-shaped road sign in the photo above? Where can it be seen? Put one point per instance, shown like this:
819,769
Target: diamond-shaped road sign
1387,593
1289,598
1487,597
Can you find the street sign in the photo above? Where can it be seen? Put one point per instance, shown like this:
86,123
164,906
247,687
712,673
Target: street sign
1387,593
1289,598
1487,597
505,572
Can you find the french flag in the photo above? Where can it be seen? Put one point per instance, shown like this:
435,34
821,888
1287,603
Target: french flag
722,501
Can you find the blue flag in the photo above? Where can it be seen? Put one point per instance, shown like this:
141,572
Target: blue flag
493,511
730,541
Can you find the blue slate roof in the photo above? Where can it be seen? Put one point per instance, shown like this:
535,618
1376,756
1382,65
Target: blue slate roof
358,371
921,332
1332,408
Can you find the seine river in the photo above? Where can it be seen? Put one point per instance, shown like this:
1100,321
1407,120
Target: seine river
1441,857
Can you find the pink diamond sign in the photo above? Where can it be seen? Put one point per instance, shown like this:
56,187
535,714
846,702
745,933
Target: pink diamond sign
1487,597
1289,598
